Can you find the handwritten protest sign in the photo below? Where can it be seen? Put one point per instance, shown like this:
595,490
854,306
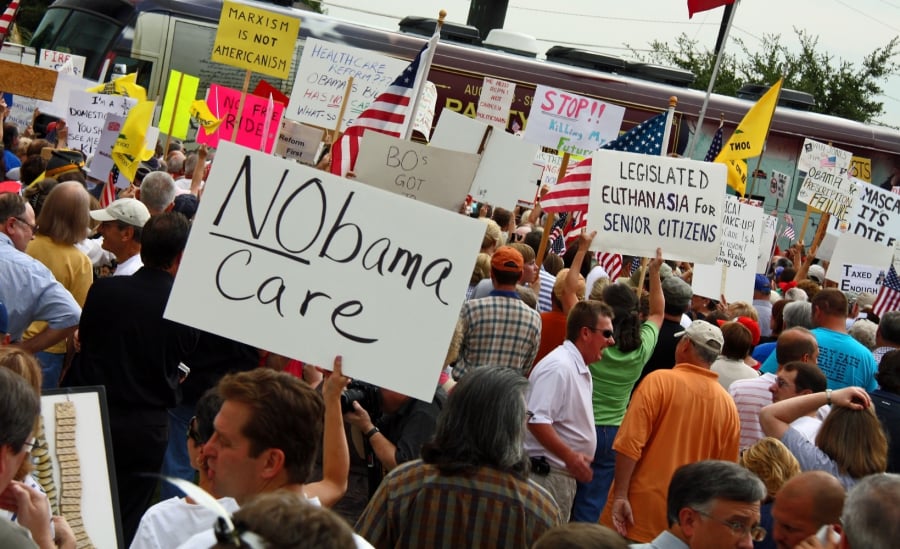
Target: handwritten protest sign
862,278
58,105
102,163
495,101
550,164
640,202
851,249
325,266
861,168
322,76
298,141
875,217
56,59
86,115
779,185
20,79
742,226
426,173
506,172
223,102
254,39
21,111
424,118
766,242
827,186
571,123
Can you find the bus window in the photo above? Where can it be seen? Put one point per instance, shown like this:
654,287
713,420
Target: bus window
84,34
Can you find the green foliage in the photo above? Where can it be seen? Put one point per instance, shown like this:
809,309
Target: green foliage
840,87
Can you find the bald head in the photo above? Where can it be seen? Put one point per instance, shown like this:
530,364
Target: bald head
796,344
819,487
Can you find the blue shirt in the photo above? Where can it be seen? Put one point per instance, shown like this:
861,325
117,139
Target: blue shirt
844,361
30,292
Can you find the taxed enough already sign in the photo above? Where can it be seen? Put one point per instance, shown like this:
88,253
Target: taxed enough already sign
640,202
308,265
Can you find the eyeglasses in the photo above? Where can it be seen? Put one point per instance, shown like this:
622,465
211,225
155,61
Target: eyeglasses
33,228
33,445
756,533
606,333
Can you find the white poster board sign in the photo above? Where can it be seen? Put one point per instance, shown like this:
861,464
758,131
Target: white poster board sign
65,84
495,101
779,185
425,111
827,186
640,202
738,253
766,243
325,266
322,77
102,162
56,60
875,216
550,165
862,278
298,141
87,113
851,249
571,123
21,111
507,172
425,173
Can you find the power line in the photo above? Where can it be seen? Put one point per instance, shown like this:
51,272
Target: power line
606,17
867,16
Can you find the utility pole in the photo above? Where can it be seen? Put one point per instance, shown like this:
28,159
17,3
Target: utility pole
485,15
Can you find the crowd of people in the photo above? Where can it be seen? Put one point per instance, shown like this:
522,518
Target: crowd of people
574,409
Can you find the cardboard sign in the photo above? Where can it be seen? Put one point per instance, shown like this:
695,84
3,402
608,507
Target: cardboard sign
861,168
325,266
425,110
86,115
425,173
56,60
223,102
27,80
862,278
827,186
322,76
766,243
851,249
779,185
102,163
176,108
550,164
571,123
21,111
742,226
298,141
506,173
495,101
640,202
875,215
254,39
58,105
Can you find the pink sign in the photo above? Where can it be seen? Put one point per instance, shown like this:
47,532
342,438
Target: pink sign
223,102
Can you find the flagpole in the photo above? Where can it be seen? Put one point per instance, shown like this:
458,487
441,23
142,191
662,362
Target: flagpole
669,116
712,82
424,69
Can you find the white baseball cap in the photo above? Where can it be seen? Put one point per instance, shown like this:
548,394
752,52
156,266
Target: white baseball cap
127,210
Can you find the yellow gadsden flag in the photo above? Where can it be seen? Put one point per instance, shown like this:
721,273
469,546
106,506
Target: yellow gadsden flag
200,111
126,85
130,148
748,139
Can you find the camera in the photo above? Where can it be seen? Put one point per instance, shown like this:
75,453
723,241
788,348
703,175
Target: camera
366,394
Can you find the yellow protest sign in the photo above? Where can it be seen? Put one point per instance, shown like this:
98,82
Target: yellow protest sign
861,168
256,40
176,109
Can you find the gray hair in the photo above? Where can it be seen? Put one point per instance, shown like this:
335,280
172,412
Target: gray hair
697,484
796,294
19,409
798,313
158,191
863,330
483,424
890,327
705,354
871,516
190,163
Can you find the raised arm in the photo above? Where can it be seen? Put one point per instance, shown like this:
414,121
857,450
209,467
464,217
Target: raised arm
335,452
573,278
775,419
657,299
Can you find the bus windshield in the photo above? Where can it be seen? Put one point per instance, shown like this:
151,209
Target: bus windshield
79,33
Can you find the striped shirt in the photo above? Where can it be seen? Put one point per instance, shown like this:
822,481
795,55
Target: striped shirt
417,506
750,396
497,330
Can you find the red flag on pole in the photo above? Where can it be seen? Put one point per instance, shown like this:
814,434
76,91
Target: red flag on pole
696,6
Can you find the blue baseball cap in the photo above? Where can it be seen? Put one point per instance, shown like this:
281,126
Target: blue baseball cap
762,284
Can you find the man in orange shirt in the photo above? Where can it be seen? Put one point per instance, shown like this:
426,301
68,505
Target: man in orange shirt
676,417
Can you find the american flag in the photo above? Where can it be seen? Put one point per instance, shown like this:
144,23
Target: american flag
611,263
572,192
6,20
789,228
715,147
579,224
828,162
389,113
557,242
889,295
109,189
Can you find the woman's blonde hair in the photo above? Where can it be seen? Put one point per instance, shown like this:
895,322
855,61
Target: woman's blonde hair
772,462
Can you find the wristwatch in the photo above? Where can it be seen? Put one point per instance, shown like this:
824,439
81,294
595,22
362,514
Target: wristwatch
374,430
828,396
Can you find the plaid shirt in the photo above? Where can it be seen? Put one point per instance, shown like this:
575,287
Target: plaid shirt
416,506
497,331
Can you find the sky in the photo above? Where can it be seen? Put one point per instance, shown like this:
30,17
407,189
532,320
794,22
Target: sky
847,29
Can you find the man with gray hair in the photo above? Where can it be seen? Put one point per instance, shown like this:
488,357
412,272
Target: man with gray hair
676,417
157,192
887,337
711,504
871,517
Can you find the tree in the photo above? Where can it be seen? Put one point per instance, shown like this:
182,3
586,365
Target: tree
840,87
